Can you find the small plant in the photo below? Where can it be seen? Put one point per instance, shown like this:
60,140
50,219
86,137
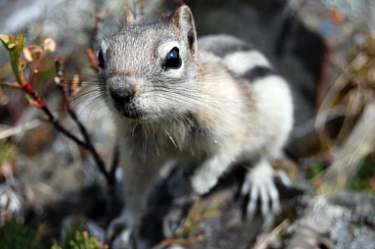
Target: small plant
81,240
364,179
26,64
77,238
14,235
7,153
315,171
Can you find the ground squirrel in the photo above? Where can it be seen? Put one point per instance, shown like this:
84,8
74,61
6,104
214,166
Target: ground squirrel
174,97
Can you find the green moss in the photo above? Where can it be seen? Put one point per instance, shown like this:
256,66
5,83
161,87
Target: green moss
365,175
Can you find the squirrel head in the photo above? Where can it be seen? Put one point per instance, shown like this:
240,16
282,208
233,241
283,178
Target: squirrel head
148,70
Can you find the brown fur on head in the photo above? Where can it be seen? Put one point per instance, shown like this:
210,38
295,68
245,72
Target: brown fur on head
128,17
184,19
149,70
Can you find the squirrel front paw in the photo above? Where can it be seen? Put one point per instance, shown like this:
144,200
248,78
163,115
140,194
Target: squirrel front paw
202,182
259,185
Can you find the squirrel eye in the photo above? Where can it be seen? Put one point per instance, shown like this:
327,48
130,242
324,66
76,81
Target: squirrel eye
100,59
172,60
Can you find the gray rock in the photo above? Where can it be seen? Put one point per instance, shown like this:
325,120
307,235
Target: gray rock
345,221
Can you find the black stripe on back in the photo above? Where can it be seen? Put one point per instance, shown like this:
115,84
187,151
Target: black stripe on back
222,51
258,72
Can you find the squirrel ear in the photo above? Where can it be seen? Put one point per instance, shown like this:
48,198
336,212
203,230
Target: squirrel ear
184,20
127,17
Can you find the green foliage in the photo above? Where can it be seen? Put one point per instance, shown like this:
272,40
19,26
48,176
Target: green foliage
81,240
315,171
77,238
14,45
364,179
75,227
56,246
7,152
14,235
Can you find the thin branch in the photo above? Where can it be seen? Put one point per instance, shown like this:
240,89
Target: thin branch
91,148
264,241
39,103
94,64
360,143
52,119
26,85
10,85
5,133
139,9
65,89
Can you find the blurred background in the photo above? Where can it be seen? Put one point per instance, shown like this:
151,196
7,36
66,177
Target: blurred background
53,195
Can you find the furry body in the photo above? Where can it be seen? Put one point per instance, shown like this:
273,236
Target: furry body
224,104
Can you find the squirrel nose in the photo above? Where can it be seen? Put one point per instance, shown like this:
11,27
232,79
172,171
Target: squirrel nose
122,95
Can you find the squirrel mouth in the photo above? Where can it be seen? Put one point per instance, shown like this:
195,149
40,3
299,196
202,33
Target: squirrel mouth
129,110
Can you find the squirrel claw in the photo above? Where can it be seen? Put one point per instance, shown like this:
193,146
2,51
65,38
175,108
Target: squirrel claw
259,185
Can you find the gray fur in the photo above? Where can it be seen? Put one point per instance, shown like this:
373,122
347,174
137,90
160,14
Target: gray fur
202,111
222,45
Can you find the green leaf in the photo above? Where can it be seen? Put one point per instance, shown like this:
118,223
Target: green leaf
4,39
83,241
14,45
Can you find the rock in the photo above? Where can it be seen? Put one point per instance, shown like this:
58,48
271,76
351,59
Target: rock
345,221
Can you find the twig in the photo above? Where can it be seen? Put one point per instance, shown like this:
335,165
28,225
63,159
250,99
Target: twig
94,64
98,18
15,46
10,85
322,119
139,9
264,241
181,241
331,97
360,143
91,148
65,89
5,133
39,103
